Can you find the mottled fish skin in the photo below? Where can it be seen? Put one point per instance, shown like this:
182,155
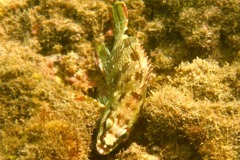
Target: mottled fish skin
126,69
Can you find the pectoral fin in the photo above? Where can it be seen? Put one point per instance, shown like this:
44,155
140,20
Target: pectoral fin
103,55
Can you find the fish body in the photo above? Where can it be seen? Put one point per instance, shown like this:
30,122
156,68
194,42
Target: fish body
126,69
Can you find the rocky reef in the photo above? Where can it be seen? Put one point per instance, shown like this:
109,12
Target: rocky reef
49,81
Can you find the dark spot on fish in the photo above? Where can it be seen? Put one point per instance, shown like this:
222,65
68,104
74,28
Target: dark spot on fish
138,76
125,67
121,97
127,79
110,131
119,116
116,78
120,119
136,96
127,42
127,121
134,56
128,104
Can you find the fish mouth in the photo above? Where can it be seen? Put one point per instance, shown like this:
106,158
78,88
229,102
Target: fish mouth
106,143
103,149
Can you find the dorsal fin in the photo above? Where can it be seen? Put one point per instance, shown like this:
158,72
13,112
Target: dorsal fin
120,18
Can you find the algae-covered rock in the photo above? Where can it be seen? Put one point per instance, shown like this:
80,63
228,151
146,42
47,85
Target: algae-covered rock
41,119
136,152
199,129
200,27
200,122
48,74
206,80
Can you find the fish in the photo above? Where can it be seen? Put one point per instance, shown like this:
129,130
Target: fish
126,70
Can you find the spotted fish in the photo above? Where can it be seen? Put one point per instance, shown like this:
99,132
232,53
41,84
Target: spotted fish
126,69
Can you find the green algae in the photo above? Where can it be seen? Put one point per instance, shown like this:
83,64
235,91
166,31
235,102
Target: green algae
47,63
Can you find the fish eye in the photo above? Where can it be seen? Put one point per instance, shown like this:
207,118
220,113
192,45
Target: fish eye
109,123
123,135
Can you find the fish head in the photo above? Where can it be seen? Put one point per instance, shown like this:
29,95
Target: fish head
114,134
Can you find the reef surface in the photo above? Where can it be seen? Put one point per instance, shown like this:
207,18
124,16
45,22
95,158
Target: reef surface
49,81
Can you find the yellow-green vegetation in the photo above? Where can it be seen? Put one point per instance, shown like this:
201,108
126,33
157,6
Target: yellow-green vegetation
136,152
196,113
48,74
39,118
